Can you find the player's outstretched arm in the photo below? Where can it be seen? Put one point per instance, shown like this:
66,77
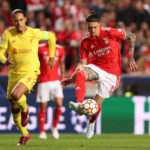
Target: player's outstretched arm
68,81
131,61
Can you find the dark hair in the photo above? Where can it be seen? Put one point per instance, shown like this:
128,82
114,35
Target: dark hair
18,11
93,17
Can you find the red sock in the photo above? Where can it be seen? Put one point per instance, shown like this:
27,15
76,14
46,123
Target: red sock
93,118
57,113
80,88
42,119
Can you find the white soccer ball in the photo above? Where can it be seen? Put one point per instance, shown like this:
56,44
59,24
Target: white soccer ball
89,107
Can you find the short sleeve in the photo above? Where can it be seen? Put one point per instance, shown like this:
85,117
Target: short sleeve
38,34
115,34
40,50
83,51
62,54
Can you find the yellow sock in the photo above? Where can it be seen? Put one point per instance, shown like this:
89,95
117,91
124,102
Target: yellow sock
22,103
17,120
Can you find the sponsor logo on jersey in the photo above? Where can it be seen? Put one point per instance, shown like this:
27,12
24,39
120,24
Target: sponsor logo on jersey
13,41
102,51
14,51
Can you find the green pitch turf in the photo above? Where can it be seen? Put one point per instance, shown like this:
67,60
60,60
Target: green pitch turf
78,142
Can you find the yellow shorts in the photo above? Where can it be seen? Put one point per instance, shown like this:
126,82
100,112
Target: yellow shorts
28,79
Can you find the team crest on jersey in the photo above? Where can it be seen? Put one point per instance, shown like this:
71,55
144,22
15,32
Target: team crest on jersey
92,46
105,40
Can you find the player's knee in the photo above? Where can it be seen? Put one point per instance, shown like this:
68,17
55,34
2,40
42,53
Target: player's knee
15,95
15,110
59,105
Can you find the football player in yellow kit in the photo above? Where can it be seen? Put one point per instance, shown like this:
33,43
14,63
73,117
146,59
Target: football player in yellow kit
21,43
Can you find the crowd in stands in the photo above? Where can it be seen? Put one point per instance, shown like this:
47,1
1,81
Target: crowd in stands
67,19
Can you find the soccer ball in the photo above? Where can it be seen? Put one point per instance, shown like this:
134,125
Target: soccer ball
89,107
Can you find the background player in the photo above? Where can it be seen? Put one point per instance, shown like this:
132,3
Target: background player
21,43
49,87
101,51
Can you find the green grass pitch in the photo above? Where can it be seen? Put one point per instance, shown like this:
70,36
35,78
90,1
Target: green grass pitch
78,142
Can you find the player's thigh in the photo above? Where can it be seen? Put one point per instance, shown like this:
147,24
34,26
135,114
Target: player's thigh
43,92
91,75
107,84
29,80
12,81
58,93
19,90
57,89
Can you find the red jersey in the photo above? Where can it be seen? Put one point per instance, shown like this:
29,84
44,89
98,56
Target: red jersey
104,51
47,74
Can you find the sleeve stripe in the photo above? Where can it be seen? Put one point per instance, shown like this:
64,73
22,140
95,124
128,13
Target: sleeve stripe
45,37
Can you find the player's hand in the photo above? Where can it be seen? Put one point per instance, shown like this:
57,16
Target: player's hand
66,81
132,64
9,61
51,62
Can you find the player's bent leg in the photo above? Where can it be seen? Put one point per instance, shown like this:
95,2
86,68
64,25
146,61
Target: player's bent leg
42,119
16,113
20,99
91,124
57,114
18,91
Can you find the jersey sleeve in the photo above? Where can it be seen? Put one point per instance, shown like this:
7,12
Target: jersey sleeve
38,34
44,35
3,46
83,51
62,56
116,34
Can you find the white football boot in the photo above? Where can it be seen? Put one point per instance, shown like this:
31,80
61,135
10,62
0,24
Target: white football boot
90,130
76,107
43,135
55,133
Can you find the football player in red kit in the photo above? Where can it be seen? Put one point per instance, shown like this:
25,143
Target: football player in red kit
100,60
49,87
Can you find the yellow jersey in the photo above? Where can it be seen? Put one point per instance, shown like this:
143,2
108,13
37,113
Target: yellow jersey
23,48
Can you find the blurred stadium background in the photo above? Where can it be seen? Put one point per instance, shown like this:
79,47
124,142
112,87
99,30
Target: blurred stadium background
128,110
